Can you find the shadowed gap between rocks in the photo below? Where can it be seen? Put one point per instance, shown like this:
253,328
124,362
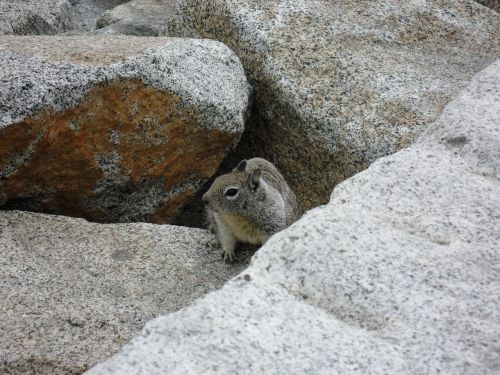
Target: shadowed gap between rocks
192,213
259,140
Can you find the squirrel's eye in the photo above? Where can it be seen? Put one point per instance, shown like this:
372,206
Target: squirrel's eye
231,192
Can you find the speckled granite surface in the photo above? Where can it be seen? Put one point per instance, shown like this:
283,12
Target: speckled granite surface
398,274
493,4
74,292
115,128
42,17
342,83
201,72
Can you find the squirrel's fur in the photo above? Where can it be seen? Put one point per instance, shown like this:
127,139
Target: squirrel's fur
249,204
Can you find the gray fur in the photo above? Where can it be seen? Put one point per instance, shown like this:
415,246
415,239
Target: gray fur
250,204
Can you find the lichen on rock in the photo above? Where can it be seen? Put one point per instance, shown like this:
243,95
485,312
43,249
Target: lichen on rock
114,133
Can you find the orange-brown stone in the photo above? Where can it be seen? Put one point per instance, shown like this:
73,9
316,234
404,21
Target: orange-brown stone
125,134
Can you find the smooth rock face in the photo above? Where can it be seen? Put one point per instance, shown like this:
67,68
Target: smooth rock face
27,17
339,84
115,128
398,274
137,17
74,292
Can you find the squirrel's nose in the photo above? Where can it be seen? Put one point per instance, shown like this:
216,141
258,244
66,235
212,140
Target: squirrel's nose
205,199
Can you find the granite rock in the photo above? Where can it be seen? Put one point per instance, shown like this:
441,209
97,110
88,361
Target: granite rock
114,128
28,17
339,84
398,274
137,17
493,4
74,292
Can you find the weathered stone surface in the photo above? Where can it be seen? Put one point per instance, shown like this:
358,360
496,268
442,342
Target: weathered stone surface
493,4
341,83
36,17
27,17
74,292
105,128
137,17
398,274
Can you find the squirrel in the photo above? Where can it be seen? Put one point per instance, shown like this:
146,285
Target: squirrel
250,204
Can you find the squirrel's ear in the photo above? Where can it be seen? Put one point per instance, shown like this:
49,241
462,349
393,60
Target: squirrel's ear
254,179
242,166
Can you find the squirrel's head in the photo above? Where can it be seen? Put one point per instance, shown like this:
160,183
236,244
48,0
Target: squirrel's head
236,191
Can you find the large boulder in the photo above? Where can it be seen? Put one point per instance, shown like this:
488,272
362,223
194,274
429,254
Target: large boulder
137,17
398,274
74,292
339,84
114,128
27,17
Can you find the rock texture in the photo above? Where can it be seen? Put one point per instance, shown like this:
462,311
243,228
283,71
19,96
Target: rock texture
27,17
493,4
398,274
74,292
137,17
339,84
114,128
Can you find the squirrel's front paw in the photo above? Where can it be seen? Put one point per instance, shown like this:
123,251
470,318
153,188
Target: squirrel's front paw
228,256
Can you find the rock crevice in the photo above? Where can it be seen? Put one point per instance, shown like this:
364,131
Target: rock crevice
398,273
347,83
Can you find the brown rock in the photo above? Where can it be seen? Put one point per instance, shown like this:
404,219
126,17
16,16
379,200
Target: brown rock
134,143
